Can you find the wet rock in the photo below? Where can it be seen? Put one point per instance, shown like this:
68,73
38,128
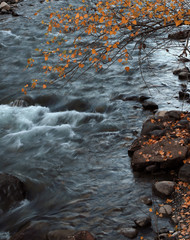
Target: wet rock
164,188
143,221
59,234
146,200
24,101
184,75
78,105
46,100
165,210
11,191
81,235
143,98
33,231
184,173
67,235
129,232
183,59
152,168
183,95
173,115
149,126
159,153
160,113
148,105
179,35
136,145
4,6
180,70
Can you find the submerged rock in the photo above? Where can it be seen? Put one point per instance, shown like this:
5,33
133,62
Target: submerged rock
12,191
45,231
24,101
143,222
148,105
180,70
129,232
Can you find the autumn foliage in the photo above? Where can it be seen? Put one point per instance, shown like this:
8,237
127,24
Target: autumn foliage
98,33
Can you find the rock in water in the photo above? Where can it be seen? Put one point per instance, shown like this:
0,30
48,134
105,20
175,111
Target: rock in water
129,232
11,191
164,188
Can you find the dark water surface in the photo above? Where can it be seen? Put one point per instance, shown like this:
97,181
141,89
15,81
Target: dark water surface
75,163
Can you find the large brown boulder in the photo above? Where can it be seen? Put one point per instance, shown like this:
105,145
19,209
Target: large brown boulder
168,153
11,191
46,231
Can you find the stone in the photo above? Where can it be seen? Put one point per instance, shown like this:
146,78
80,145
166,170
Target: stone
179,70
165,210
143,221
129,232
46,100
184,75
149,126
146,200
136,145
183,95
59,234
33,231
148,105
184,173
81,235
160,113
179,35
152,168
164,188
4,6
12,191
156,153
173,115
24,101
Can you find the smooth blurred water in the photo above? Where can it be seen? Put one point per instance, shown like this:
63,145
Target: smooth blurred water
75,163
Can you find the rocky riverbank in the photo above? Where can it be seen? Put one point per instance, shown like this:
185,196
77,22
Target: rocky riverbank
164,147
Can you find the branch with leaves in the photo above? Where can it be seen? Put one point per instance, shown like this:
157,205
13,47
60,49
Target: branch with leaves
100,32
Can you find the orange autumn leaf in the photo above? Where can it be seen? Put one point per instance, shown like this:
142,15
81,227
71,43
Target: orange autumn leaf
93,51
44,86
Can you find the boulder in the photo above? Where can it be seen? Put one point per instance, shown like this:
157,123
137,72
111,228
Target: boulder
179,35
167,153
183,95
149,126
33,231
148,105
173,115
129,232
24,101
184,75
184,173
146,200
165,210
179,70
81,235
4,6
164,188
143,221
11,191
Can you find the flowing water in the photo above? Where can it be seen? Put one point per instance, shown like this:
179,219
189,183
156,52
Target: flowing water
74,162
